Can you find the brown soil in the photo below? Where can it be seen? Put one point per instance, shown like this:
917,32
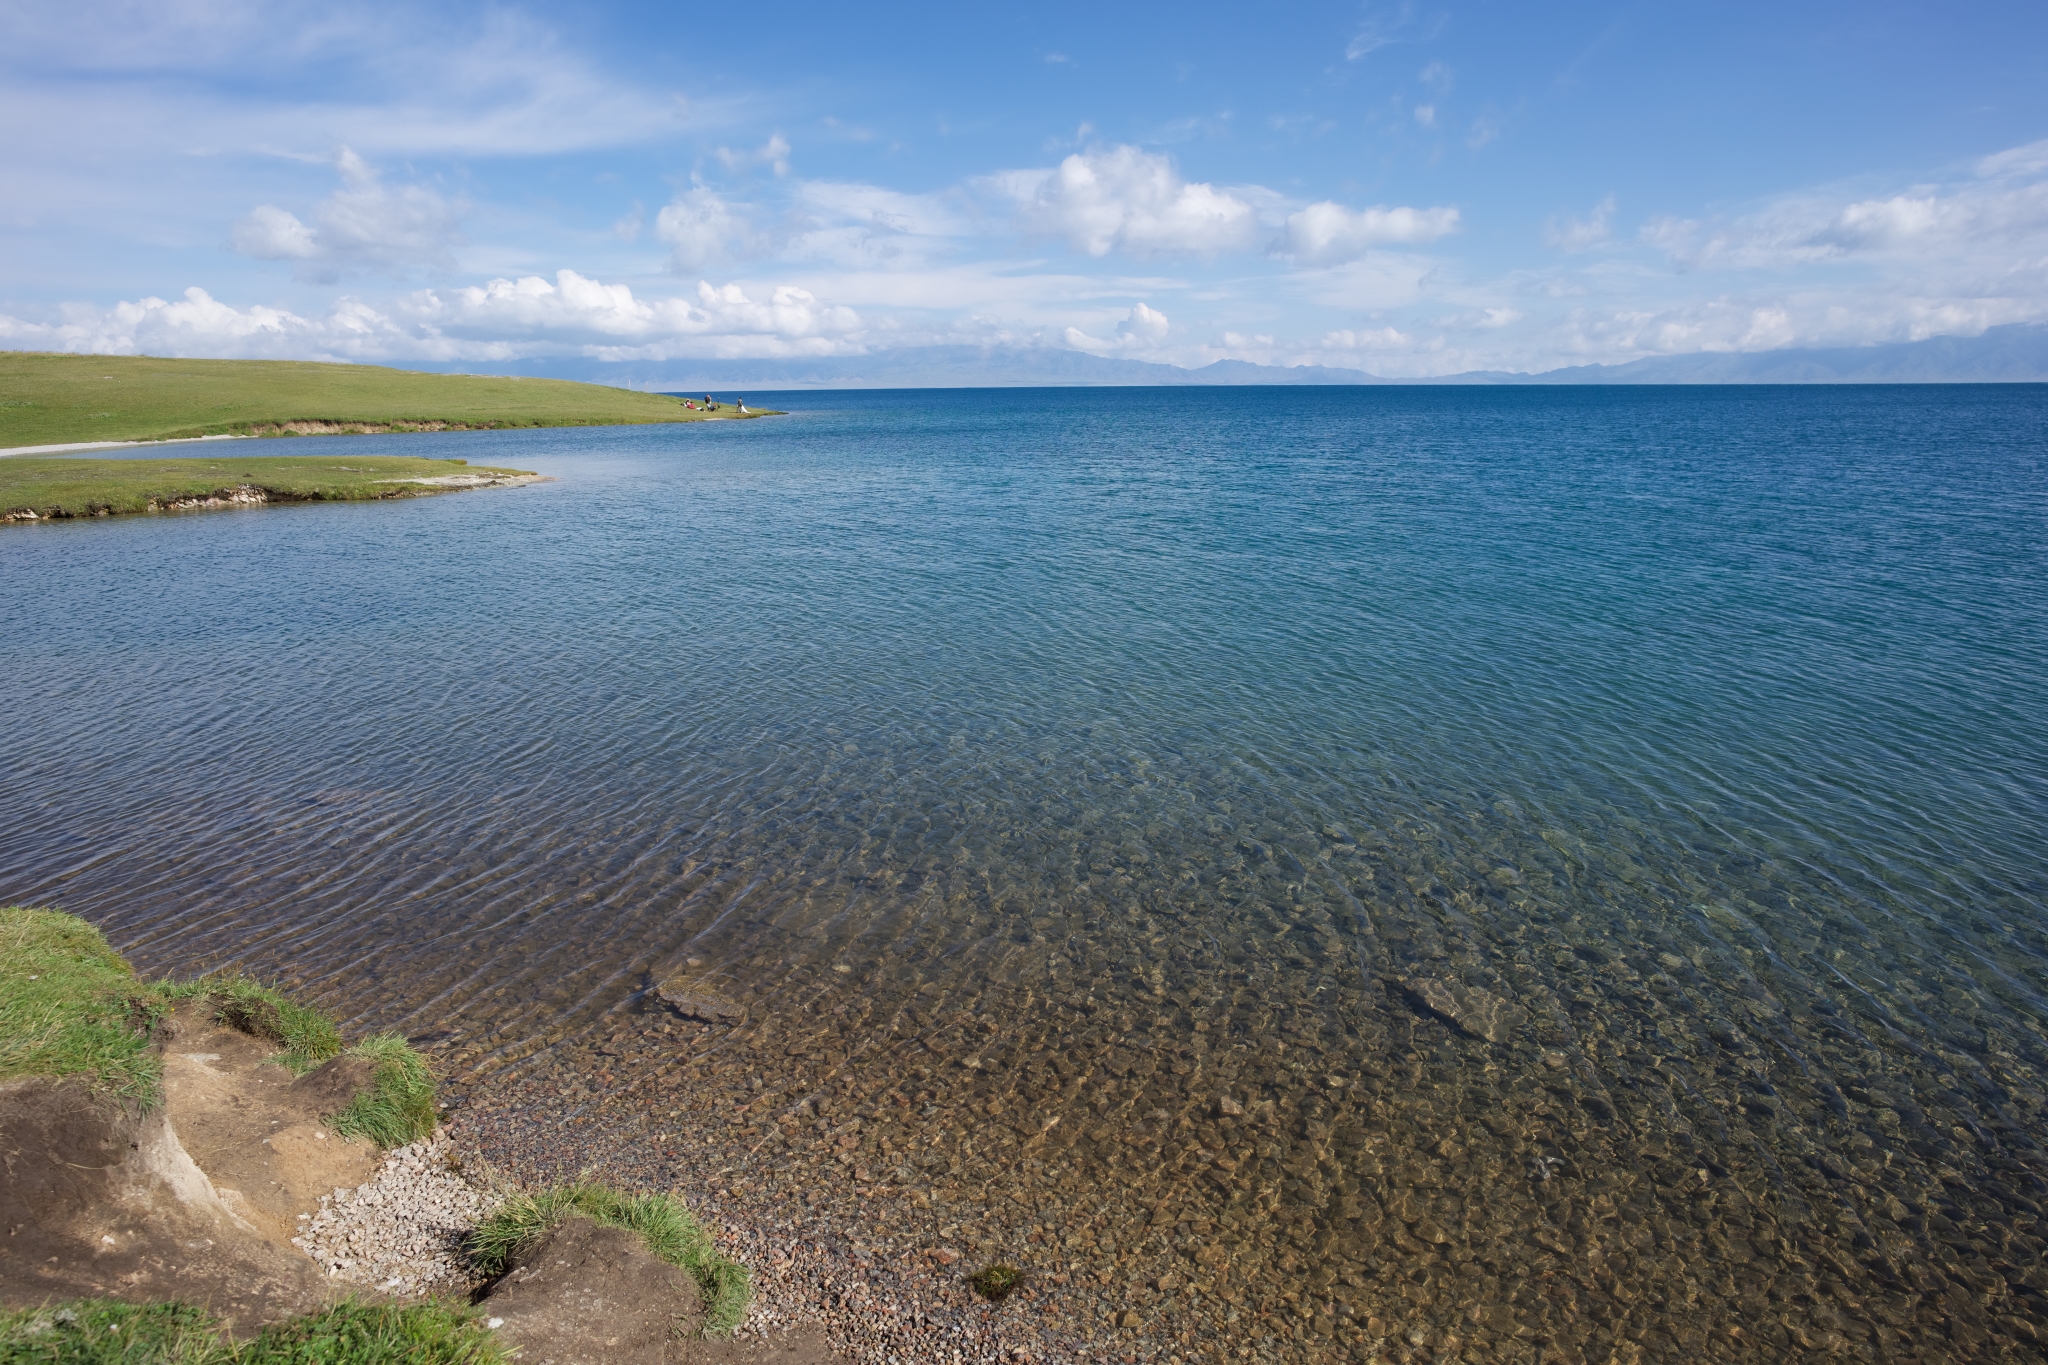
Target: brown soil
591,1295
100,1199
195,1201
257,1132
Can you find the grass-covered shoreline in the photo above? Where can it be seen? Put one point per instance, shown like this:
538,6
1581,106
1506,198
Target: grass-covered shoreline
38,488
72,1006
58,399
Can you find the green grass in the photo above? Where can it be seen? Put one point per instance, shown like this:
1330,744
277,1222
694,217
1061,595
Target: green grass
57,486
399,1105
306,1037
70,1006
101,1332
361,1334
50,399
670,1230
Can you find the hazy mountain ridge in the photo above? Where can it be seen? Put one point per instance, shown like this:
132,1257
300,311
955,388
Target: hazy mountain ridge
2016,353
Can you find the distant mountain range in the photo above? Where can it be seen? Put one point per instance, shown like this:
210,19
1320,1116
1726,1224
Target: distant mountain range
2011,354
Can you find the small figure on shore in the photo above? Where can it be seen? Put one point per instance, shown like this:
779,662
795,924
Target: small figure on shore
743,405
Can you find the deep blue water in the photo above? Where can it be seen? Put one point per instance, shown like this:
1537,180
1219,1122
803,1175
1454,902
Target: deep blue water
1689,731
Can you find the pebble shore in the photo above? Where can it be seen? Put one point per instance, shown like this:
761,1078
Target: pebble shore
402,1232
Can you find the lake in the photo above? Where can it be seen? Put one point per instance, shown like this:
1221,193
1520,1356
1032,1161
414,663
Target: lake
1544,867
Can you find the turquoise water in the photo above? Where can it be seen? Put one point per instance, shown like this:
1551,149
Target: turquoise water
1596,836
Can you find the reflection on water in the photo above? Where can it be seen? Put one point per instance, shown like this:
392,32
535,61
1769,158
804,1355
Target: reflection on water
1536,874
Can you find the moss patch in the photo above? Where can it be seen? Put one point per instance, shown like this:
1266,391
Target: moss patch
670,1230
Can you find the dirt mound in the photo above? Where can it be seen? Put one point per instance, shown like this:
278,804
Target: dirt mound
100,1199
585,1294
196,1200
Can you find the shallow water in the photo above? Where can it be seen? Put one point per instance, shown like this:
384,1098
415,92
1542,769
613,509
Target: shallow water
1594,837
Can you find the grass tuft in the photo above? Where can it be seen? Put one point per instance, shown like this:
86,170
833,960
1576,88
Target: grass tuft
367,1334
398,1107
306,1036
70,1006
668,1228
102,1332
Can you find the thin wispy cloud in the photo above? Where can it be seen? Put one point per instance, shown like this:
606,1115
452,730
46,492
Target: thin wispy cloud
1577,234
1385,27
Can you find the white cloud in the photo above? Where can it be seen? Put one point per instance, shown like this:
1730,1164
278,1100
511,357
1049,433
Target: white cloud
773,154
1129,200
609,321
702,230
270,233
363,225
504,319
1330,234
1576,234
2032,159
1425,114
1143,329
1942,224
1386,27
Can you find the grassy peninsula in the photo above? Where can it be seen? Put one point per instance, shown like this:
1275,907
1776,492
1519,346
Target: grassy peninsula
40,488
52,399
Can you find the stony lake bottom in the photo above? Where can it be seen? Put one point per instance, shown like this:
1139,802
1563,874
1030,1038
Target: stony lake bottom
1523,874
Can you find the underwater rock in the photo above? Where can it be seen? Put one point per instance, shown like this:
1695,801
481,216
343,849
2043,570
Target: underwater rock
1474,1012
692,1001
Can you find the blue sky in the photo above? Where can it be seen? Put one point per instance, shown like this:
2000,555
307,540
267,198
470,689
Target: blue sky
1409,189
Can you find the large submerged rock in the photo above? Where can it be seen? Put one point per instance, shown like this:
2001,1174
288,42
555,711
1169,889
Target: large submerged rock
693,1000
1472,1011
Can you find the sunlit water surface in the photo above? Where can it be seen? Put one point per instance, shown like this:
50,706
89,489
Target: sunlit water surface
1541,870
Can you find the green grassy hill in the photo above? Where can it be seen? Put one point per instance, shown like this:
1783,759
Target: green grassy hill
50,399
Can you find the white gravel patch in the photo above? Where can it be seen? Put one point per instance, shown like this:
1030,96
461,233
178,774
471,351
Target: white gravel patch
402,1232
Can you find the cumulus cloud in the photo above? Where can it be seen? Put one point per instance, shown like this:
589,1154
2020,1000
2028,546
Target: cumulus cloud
1143,329
1129,200
608,321
571,314
1576,234
1330,234
364,225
